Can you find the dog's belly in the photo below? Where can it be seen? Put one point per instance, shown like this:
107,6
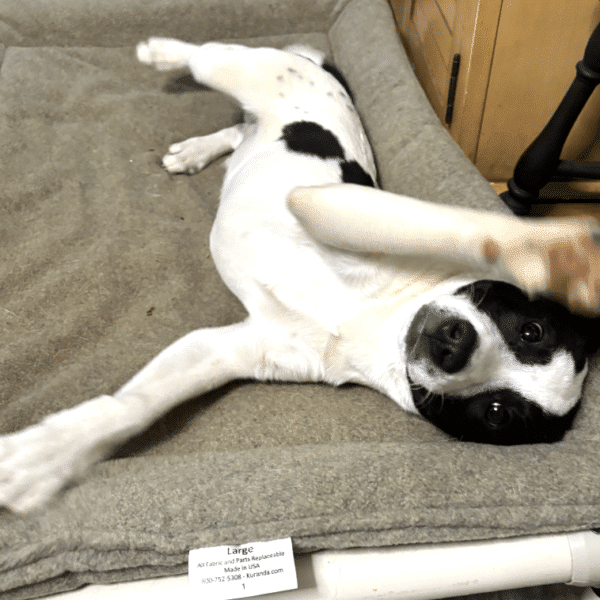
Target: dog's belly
261,251
277,270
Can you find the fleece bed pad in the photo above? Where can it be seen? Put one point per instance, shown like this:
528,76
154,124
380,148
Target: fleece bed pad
105,261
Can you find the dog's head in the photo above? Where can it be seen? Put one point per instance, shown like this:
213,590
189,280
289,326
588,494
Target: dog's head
488,365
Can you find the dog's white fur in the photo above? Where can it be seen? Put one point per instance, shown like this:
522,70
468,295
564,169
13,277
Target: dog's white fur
331,275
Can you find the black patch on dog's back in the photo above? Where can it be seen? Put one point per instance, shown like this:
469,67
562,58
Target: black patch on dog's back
335,72
352,172
307,137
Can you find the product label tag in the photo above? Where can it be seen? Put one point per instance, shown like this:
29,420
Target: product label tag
229,572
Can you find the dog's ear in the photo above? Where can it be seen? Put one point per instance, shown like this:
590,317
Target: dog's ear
587,328
591,330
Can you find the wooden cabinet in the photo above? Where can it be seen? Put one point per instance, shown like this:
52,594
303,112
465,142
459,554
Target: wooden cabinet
517,59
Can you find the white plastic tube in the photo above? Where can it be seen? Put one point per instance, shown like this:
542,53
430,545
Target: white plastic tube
428,572
444,570
585,556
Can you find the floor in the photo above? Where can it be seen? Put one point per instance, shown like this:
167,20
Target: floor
577,207
554,592
176,587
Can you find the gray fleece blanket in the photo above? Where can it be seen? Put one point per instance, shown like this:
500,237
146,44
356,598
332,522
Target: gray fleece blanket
105,262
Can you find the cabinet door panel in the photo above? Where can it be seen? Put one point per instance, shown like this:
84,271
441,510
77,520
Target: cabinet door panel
436,45
427,36
448,9
538,44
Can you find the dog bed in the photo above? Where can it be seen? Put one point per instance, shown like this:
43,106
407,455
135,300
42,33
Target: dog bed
105,261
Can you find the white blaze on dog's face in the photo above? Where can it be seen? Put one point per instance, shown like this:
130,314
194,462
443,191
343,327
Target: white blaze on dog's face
485,364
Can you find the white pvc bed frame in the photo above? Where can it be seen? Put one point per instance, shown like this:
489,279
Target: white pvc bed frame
420,572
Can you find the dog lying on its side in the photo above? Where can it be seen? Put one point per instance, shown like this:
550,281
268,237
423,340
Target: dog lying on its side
343,282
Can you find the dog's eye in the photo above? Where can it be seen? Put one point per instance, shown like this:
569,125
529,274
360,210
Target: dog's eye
532,332
496,415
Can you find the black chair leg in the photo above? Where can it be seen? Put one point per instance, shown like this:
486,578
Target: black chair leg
540,162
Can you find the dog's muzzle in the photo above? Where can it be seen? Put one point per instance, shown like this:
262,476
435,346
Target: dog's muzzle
445,340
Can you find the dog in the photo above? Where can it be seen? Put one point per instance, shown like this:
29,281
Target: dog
447,311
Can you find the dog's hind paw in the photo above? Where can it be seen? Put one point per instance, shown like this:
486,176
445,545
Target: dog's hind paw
559,258
165,53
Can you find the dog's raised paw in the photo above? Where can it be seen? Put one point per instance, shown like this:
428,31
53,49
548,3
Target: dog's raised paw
559,258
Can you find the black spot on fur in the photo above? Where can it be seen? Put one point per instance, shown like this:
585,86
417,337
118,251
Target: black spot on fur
352,172
307,137
333,70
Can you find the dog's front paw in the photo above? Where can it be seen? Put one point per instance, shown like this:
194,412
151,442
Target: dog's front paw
34,465
39,461
559,258
188,157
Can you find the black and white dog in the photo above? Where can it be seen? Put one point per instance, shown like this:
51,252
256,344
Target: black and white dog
344,283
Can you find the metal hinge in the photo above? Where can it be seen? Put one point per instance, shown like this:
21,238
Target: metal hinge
452,88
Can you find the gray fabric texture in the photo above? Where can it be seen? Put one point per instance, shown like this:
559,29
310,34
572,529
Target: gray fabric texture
106,262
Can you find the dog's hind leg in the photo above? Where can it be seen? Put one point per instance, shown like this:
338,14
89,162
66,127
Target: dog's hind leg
192,155
37,462
253,76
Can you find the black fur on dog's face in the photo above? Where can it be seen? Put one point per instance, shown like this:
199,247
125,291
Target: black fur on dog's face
488,365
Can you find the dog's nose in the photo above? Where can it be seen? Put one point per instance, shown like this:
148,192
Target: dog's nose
451,344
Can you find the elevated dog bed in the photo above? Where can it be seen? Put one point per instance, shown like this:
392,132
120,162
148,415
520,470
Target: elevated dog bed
105,261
